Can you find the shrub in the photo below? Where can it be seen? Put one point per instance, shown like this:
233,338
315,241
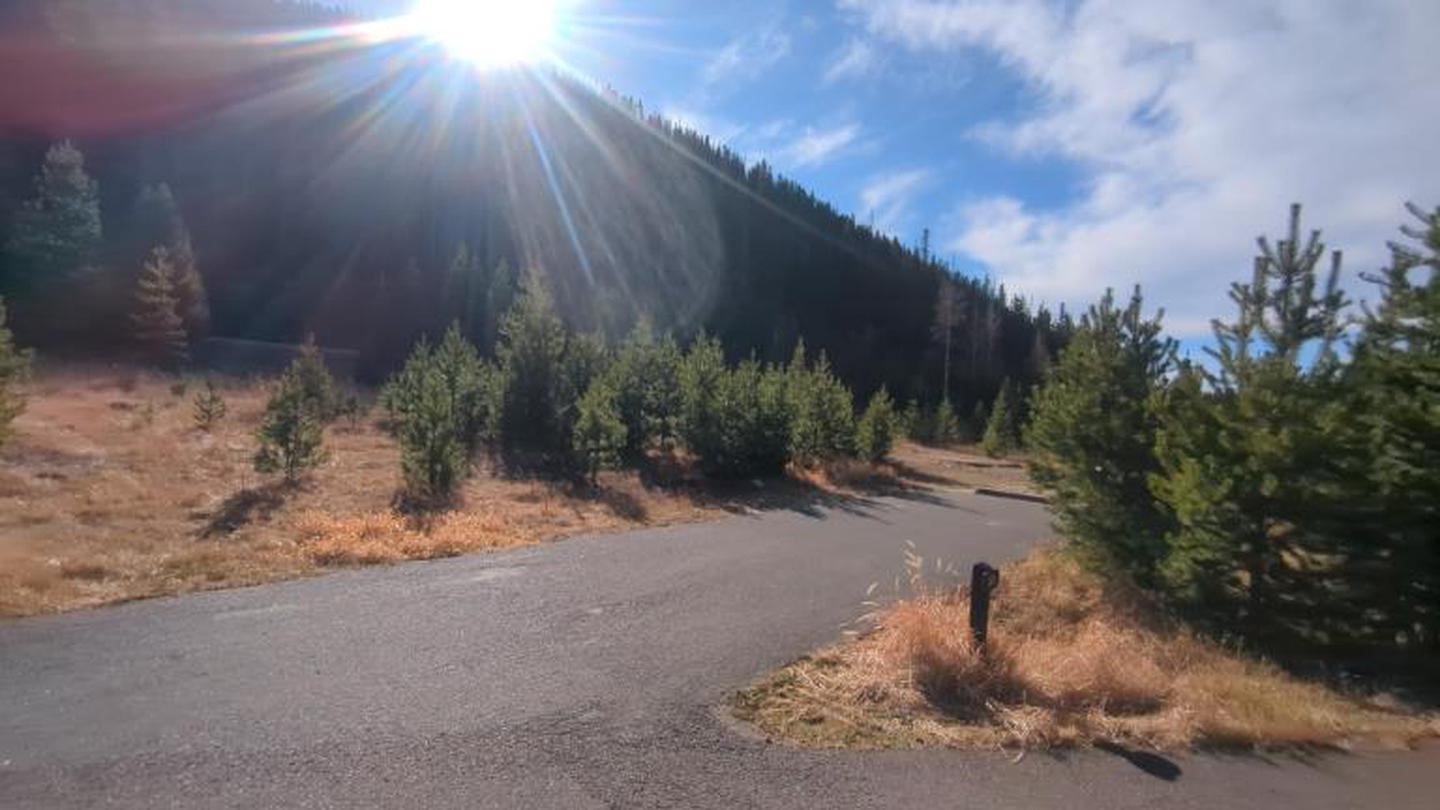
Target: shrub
14,368
209,407
600,432
875,436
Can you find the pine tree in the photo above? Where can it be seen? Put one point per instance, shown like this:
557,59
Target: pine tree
1002,432
1248,453
291,433
57,231
1092,437
159,329
155,221
944,426
191,301
209,407
14,369
875,435
702,386
1397,378
599,438
317,385
433,456
532,354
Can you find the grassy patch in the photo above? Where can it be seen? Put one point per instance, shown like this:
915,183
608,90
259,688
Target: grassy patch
109,492
1071,662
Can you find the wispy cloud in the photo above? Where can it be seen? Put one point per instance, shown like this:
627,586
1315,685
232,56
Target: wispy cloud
857,59
816,146
747,57
885,200
1196,123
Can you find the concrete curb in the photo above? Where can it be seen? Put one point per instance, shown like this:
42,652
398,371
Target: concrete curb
1012,495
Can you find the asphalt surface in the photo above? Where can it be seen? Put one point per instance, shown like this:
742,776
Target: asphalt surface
580,674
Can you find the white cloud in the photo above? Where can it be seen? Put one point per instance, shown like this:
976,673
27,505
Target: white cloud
816,146
885,199
1197,124
856,60
747,57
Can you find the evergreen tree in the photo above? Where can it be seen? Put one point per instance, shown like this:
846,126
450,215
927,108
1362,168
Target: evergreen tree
1396,375
944,426
317,386
821,411
433,456
702,387
533,401
159,329
155,221
875,435
600,432
1002,432
14,368
57,231
191,301
291,433
209,407
1092,437
1248,453
646,379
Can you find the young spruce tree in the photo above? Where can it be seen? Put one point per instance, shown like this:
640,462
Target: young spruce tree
1002,432
1251,457
1092,437
1397,379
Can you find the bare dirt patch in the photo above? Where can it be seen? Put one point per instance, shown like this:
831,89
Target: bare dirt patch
1071,662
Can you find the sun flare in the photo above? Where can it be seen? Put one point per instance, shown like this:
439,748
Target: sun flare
488,33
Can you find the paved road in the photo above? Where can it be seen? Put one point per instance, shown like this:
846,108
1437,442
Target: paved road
576,675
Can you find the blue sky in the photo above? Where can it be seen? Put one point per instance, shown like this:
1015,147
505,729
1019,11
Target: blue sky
1060,146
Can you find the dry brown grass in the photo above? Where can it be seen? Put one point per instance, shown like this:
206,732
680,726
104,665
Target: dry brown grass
1070,662
958,467
108,492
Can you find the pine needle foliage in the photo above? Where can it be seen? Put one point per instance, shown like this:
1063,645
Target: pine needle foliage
878,427
159,330
291,432
14,369
1002,431
600,432
1092,437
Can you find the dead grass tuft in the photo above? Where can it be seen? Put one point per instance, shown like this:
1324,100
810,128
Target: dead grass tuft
381,537
1070,662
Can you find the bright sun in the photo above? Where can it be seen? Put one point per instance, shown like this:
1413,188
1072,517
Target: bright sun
488,33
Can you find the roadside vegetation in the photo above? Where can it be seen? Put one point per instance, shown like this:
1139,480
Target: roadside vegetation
1272,510
1073,660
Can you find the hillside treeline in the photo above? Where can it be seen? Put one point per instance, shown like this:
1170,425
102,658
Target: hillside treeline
372,193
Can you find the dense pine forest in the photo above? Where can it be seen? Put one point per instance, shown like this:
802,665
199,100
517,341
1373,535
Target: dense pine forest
371,193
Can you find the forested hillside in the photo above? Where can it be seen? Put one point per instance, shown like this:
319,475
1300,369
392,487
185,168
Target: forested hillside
370,191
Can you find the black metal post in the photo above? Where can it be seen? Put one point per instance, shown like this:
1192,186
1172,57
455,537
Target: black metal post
984,578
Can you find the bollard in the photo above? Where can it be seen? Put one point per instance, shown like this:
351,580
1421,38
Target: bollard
984,578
